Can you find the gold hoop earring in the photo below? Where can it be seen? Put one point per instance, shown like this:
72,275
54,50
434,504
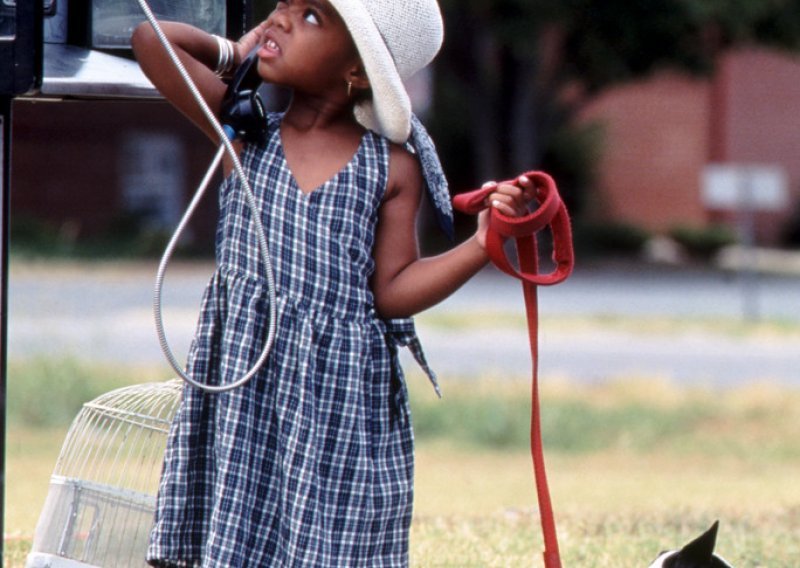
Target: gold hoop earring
349,89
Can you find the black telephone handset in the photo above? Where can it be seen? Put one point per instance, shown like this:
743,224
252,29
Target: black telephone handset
242,108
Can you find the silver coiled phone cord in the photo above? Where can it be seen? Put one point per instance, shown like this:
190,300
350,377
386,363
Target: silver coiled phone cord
226,146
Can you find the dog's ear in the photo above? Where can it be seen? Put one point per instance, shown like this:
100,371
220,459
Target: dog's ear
699,552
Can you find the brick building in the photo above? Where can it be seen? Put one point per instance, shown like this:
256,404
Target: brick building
83,166
662,134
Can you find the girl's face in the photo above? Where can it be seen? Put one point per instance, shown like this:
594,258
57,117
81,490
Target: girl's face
306,46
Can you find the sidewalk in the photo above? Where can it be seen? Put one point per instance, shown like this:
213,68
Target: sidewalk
766,261
104,312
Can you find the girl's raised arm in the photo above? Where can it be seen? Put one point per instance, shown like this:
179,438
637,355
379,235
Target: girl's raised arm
199,53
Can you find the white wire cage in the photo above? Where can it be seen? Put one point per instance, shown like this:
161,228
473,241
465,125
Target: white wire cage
101,500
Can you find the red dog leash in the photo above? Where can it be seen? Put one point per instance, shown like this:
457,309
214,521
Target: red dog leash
550,213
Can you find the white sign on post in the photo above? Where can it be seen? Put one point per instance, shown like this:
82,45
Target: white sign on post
746,189
744,186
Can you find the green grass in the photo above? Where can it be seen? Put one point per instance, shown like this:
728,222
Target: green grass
647,325
612,509
31,455
634,467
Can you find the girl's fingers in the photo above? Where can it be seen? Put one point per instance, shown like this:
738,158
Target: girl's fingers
507,204
503,208
252,38
488,201
511,198
513,194
528,189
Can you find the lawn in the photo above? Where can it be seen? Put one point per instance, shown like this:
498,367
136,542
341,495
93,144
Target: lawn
634,467
612,509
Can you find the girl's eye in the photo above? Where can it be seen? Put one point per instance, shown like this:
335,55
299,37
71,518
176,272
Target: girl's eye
311,17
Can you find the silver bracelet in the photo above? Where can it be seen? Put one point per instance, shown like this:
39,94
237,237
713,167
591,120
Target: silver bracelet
226,57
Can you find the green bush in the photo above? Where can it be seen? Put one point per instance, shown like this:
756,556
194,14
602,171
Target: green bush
128,237
481,419
610,238
703,242
497,416
47,392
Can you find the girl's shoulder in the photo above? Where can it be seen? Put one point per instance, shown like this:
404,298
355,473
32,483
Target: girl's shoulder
404,158
405,171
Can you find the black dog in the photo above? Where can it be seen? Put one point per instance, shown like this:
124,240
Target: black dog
697,554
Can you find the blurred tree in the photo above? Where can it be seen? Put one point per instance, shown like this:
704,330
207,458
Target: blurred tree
513,72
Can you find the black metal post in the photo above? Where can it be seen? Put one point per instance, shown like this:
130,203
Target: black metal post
20,72
5,149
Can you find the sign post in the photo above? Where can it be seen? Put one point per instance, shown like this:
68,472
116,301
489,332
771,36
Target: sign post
746,189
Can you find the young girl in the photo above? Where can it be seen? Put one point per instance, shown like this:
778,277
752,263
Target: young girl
310,463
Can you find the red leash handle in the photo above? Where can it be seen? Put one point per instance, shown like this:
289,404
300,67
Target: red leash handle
552,213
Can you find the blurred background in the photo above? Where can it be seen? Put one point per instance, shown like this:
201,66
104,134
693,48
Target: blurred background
669,359
668,119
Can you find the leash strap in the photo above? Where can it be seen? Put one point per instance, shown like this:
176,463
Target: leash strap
551,213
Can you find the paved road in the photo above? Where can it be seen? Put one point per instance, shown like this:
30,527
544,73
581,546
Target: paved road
598,352
104,312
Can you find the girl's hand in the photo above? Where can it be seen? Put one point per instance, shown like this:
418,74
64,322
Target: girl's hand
249,41
511,200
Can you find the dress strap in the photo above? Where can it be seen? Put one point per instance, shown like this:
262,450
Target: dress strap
403,333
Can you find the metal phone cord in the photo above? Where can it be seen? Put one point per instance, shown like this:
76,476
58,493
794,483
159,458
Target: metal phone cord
225,147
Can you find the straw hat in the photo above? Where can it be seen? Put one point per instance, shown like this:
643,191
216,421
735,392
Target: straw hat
395,39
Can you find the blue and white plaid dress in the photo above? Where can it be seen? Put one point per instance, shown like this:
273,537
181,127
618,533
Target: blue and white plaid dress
311,463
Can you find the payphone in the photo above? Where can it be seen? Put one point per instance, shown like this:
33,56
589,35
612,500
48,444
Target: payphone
62,49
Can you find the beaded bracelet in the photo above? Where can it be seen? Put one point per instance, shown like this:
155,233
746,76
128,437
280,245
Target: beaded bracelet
226,57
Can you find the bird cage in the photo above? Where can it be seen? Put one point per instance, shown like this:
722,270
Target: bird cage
100,505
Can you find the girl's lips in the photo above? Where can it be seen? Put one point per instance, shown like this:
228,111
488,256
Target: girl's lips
269,48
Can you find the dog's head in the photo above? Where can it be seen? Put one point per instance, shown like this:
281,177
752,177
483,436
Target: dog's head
697,554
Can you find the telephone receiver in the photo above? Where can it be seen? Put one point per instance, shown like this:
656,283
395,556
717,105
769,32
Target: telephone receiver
242,113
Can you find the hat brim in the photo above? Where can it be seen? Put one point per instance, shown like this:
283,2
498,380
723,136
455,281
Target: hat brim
389,111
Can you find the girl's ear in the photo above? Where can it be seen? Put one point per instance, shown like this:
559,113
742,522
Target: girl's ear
357,77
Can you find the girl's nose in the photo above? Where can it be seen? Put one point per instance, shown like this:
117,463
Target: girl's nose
280,18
